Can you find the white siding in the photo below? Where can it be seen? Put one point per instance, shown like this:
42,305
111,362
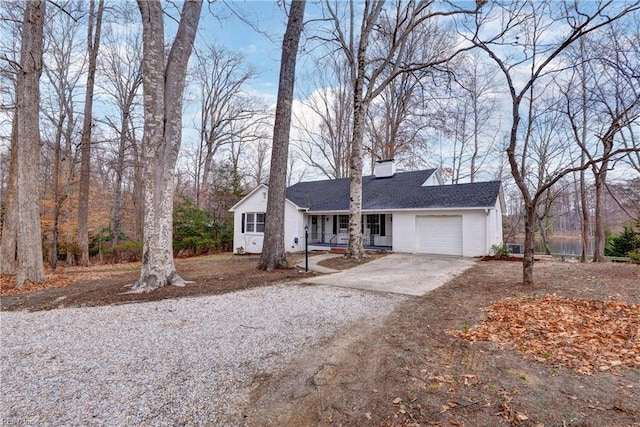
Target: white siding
293,228
256,201
404,231
474,236
479,229
495,226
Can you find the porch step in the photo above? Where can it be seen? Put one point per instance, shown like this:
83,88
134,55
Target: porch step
335,250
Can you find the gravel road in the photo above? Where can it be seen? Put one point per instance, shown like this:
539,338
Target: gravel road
187,361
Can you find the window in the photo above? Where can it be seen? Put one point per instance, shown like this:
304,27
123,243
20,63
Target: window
373,223
343,221
254,222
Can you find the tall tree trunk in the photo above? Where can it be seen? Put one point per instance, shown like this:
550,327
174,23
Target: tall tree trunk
584,208
544,236
600,238
476,136
584,212
117,200
529,234
163,85
29,235
601,182
138,196
198,164
273,254
8,248
530,203
360,105
355,245
57,199
93,44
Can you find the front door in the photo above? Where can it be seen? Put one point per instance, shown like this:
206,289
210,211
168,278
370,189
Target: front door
314,228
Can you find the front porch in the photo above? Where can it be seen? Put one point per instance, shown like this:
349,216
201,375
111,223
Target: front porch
332,231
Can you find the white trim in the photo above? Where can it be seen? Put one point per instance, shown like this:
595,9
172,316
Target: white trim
234,207
402,210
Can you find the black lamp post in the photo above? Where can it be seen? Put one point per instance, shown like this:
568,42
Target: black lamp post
306,248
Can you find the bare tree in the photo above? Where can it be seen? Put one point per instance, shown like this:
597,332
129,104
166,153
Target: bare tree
258,161
93,44
577,106
473,121
227,112
28,238
619,101
163,82
525,26
63,72
608,103
10,59
398,119
393,122
8,243
122,73
273,254
371,71
327,127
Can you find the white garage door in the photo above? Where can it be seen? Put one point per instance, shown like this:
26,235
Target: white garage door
439,234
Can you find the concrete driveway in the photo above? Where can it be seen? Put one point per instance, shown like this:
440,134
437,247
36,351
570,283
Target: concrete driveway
408,274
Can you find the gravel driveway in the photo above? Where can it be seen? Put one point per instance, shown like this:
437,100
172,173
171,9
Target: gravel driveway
188,361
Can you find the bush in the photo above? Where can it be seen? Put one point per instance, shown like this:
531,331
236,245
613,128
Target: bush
68,248
500,251
101,241
634,256
628,240
196,231
127,251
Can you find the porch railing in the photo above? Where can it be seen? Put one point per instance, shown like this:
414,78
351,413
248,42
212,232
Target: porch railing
343,239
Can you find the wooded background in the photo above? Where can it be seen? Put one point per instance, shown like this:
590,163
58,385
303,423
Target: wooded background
544,96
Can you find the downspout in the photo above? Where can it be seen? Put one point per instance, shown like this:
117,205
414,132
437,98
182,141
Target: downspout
489,234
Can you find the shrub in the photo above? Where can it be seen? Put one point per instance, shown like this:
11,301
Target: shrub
500,251
621,244
127,251
634,256
101,241
68,248
195,231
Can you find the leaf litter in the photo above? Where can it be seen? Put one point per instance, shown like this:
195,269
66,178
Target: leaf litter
583,334
65,276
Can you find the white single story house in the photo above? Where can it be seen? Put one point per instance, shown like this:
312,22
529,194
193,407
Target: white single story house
404,212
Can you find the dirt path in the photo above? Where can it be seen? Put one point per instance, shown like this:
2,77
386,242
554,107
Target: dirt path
407,370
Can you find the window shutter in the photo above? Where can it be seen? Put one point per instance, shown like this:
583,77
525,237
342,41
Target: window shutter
383,225
335,224
243,215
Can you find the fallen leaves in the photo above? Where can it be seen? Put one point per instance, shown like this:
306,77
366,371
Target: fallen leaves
586,335
64,276
515,418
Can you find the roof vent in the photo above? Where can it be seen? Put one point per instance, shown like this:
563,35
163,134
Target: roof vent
384,168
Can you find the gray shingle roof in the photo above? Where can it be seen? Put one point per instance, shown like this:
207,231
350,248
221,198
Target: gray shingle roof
402,191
